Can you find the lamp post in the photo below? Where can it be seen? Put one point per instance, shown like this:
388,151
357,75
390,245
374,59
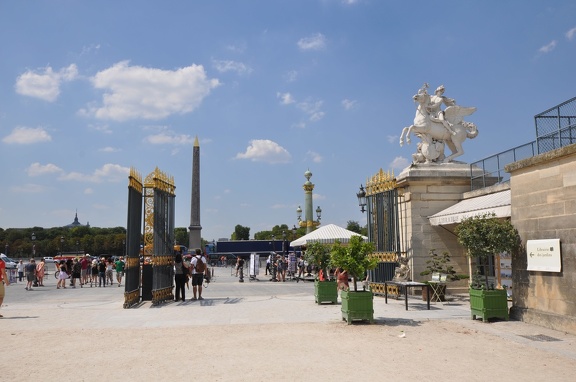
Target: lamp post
361,195
33,245
6,250
61,246
77,245
123,248
308,221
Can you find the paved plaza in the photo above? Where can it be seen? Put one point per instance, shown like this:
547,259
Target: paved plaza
262,330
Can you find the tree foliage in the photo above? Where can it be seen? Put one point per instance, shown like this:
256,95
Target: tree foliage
354,257
486,235
318,254
241,233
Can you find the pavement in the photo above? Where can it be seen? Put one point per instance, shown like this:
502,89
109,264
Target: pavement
258,305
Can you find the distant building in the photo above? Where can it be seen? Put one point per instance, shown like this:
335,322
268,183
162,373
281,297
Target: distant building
76,223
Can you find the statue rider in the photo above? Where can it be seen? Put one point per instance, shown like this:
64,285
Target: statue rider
436,113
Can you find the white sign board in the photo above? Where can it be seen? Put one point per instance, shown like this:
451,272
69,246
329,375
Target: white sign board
544,255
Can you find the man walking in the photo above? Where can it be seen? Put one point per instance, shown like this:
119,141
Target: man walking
3,280
198,265
119,270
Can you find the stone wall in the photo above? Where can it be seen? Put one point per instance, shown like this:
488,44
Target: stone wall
428,189
543,190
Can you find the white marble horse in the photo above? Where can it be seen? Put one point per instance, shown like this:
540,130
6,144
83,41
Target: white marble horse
425,127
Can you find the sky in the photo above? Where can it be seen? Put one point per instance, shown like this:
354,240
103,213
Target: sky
271,88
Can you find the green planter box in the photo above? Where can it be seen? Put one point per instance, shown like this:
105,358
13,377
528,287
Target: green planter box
357,306
489,304
325,291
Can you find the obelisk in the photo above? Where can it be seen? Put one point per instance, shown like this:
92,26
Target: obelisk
195,238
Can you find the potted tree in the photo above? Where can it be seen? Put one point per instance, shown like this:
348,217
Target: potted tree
439,266
356,260
484,236
325,290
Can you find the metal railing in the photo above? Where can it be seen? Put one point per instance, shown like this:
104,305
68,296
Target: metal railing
555,128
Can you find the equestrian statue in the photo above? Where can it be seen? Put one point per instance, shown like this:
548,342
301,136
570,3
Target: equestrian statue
436,127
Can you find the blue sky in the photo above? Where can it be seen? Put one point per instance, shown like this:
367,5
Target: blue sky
271,88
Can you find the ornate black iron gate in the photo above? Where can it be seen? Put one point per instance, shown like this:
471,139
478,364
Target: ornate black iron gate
384,230
154,276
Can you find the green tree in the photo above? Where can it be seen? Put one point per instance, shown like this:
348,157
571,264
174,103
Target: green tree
353,226
354,257
181,235
241,233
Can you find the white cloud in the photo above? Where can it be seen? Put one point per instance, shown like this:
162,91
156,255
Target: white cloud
135,92
392,138
44,84
316,158
312,109
314,42
27,135
399,163
109,149
231,66
36,169
571,33
264,150
548,48
107,173
168,137
348,104
285,98
88,191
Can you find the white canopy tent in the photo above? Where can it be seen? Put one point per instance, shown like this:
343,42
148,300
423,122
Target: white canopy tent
327,234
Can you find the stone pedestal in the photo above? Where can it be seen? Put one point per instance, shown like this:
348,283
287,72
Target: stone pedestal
428,189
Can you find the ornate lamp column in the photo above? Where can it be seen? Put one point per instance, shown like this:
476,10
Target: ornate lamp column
308,222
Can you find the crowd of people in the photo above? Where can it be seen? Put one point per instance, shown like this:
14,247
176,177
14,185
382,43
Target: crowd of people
81,271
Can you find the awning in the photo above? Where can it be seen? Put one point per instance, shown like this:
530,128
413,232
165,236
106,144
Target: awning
497,203
327,234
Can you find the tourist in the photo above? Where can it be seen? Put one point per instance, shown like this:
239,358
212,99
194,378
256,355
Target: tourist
180,272
30,270
40,272
84,270
341,279
198,266
109,270
62,276
102,273
119,270
94,273
4,280
76,273
20,268
280,268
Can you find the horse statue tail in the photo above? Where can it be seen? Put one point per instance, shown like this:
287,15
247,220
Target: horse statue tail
471,129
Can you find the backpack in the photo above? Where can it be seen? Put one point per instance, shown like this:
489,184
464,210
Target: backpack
200,265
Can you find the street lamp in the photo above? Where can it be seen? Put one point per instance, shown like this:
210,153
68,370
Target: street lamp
361,195
123,248
6,249
33,245
61,245
77,244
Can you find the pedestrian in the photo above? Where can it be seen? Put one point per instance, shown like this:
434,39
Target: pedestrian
102,273
94,273
84,270
180,275
198,266
4,280
20,268
241,269
40,272
109,270
341,278
119,270
76,273
62,276
267,266
30,270
280,270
